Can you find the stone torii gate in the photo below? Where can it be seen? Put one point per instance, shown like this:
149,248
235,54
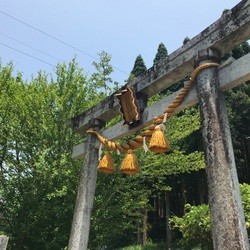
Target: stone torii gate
227,217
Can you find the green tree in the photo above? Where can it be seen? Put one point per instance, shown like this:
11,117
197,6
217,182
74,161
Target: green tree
118,209
101,81
161,53
240,50
38,175
238,106
195,225
139,66
238,103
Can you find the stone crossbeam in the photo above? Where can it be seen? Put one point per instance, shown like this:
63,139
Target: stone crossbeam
227,32
231,74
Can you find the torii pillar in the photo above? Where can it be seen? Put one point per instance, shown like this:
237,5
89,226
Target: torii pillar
79,235
227,216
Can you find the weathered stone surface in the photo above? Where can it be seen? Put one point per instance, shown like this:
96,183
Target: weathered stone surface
227,217
85,196
3,242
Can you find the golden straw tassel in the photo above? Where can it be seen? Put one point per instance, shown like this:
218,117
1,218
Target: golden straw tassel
106,164
130,163
158,142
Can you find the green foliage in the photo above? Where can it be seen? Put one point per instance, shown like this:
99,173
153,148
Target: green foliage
225,11
101,81
177,245
187,39
38,175
174,163
120,201
245,196
238,103
161,53
149,245
139,66
238,51
110,226
183,124
195,225
157,246
132,248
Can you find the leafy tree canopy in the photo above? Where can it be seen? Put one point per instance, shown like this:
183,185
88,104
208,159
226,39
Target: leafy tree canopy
38,175
195,225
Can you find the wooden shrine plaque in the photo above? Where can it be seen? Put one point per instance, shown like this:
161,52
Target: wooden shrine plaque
129,107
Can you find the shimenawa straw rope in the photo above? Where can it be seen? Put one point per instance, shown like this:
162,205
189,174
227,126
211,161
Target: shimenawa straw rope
138,140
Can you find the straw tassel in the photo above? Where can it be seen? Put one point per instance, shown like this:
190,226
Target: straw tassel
130,163
106,164
159,143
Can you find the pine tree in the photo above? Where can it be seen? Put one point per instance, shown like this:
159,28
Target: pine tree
161,53
139,66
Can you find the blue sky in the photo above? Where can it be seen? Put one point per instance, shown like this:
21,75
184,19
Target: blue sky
123,29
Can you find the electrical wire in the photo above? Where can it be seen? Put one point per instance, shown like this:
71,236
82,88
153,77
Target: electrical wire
31,47
27,54
58,40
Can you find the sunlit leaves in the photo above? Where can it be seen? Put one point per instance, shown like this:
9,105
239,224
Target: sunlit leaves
38,176
195,225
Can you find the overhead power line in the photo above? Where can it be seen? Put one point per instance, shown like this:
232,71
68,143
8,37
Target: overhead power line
58,40
27,54
30,47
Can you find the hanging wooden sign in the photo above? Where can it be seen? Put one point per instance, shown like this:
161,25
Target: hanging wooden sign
129,107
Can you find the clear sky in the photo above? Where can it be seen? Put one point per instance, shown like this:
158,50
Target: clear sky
122,28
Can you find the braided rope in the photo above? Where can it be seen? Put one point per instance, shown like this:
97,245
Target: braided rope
138,140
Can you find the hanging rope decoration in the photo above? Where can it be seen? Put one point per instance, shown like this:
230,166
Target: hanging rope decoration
154,134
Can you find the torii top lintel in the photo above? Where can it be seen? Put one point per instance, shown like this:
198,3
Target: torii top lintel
231,29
